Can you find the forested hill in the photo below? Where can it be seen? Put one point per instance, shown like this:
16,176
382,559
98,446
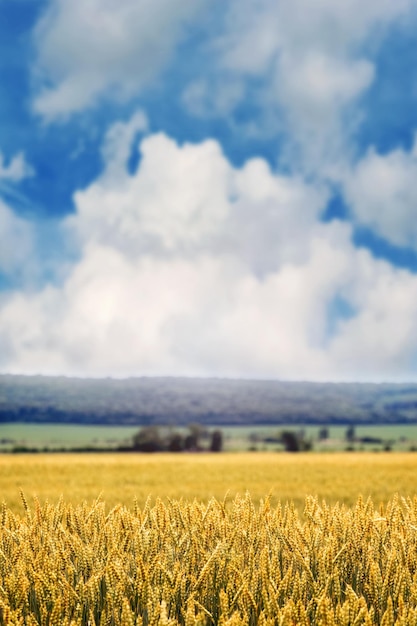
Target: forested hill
179,401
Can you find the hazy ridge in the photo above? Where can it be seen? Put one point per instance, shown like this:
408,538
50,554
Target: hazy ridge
180,401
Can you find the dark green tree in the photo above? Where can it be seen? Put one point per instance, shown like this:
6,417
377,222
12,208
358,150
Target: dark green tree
350,434
295,442
290,441
148,439
175,442
216,444
323,433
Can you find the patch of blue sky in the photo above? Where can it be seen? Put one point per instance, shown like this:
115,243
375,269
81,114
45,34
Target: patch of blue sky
15,54
66,155
336,209
6,283
363,237
389,106
405,258
64,161
47,150
339,310
170,116
240,128
380,248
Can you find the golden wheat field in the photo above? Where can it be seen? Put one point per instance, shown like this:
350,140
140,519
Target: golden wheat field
119,478
165,545
191,563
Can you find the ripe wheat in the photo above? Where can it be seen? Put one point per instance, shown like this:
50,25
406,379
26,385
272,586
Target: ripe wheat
217,563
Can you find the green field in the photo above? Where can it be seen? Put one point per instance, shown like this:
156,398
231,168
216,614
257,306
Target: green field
398,436
63,435
56,436
120,478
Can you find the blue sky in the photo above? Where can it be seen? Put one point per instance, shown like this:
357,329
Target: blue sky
209,189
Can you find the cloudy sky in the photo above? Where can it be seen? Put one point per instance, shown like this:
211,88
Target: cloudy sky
201,187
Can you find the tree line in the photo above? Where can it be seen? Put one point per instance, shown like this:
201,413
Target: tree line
195,439
213,402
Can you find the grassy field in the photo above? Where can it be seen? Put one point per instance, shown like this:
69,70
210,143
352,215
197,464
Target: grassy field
63,435
55,436
119,478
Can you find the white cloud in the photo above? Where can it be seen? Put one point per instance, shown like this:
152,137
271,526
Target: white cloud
318,83
88,49
187,199
119,143
381,341
381,190
16,170
175,199
317,92
213,316
258,31
16,242
191,266
307,60
203,99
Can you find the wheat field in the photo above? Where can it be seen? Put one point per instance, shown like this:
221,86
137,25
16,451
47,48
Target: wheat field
119,478
178,540
190,563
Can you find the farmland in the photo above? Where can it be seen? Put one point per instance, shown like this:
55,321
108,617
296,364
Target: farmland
185,563
236,438
119,478
237,539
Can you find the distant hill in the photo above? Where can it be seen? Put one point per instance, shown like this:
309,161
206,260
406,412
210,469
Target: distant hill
179,401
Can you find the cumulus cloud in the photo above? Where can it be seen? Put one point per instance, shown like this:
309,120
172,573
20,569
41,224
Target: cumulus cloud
380,341
86,50
381,190
189,199
213,316
193,266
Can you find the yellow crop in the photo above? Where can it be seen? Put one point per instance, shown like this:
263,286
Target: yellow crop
337,477
191,563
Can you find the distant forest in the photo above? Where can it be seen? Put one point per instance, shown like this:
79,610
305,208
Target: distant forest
214,402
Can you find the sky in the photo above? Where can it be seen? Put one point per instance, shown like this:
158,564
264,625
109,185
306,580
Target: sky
209,188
